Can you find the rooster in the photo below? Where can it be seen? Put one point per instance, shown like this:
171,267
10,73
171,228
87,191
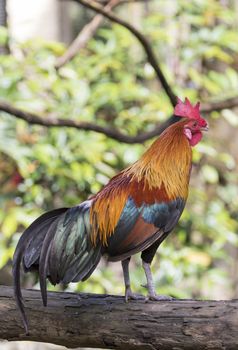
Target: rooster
133,213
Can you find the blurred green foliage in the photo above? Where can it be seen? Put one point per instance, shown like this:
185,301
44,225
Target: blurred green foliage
110,83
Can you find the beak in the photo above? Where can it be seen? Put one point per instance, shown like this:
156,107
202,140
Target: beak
205,128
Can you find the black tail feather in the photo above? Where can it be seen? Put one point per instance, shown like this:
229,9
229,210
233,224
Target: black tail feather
44,258
17,287
34,246
58,245
19,255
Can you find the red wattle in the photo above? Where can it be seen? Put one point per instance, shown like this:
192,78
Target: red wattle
196,137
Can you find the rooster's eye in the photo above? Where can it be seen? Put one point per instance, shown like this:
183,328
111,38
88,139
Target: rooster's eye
195,124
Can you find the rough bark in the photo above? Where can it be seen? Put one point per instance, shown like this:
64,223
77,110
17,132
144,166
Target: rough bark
105,321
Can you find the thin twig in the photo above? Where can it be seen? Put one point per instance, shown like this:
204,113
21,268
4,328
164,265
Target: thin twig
141,38
84,36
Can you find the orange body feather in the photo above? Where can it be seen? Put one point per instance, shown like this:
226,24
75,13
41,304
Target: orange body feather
162,174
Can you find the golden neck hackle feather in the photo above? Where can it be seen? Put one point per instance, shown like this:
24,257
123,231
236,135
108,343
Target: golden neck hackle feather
165,164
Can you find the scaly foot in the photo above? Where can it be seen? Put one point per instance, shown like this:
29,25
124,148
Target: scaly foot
150,285
132,296
156,297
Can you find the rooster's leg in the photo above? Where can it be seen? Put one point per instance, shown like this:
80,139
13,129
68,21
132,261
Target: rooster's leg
128,291
150,284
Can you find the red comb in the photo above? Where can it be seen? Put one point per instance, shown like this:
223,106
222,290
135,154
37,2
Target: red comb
187,110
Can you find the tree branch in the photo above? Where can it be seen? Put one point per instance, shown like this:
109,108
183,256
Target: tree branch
115,134
103,321
34,119
141,38
220,105
84,36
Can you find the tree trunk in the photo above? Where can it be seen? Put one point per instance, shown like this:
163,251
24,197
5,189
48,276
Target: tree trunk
3,13
3,23
105,321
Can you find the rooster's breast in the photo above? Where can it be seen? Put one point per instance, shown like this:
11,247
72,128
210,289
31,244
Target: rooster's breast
140,226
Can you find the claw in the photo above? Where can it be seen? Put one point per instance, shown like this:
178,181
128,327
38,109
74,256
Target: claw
128,293
156,297
132,296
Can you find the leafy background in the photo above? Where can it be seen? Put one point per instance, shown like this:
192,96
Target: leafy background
110,83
